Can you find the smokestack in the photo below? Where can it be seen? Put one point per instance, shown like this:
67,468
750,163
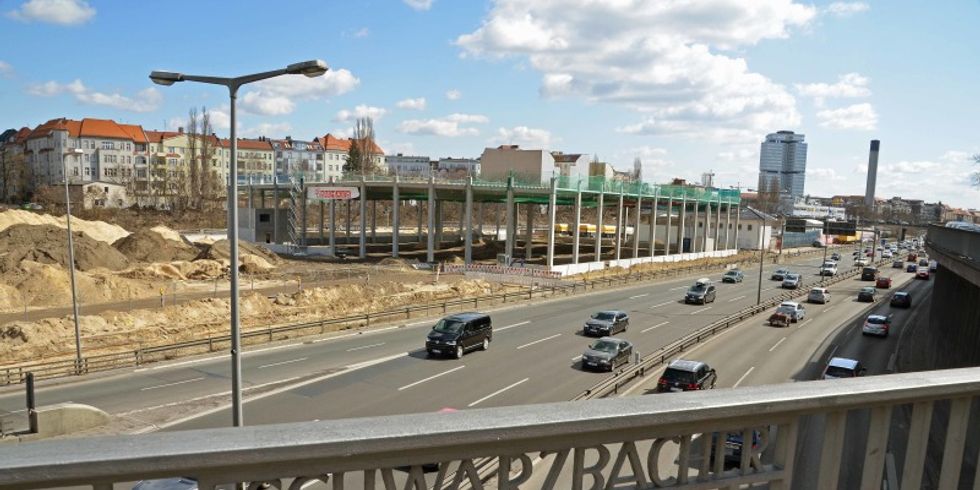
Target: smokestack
869,191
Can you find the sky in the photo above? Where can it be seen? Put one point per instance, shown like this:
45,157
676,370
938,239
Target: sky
685,86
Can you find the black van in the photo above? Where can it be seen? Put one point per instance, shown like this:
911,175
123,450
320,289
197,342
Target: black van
869,273
459,333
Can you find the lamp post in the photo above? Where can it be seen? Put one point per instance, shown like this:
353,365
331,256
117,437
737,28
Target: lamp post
311,69
762,258
71,259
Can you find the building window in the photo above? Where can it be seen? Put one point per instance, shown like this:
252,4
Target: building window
108,145
750,227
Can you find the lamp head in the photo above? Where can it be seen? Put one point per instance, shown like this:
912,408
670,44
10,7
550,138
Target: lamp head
166,77
311,69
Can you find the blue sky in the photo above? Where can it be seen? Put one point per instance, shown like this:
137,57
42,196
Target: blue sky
685,86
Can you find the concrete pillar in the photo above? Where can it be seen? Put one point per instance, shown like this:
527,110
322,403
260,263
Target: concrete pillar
718,243
374,221
528,241
321,222
303,211
438,230
738,222
430,254
636,226
667,226
511,225
462,219
653,223
395,223
598,226
728,225
618,241
362,250
275,210
418,221
467,228
349,219
332,233
479,220
577,223
552,203
496,219
680,227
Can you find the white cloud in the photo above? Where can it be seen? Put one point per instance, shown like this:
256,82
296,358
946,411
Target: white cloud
857,116
454,94
670,61
945,179
362,32
271,130
146,100
417,104
450,126
64,12
6,70
276,95
850,85
821,173
419,4
360,111
524,136
740,155
845,9
343,133
220,120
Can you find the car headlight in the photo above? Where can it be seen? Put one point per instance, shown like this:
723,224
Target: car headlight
449,342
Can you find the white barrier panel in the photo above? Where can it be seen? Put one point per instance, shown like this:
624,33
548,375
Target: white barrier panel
572,269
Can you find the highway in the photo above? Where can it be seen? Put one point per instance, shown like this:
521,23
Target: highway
532,359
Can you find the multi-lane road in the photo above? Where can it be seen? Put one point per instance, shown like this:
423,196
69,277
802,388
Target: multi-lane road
533,358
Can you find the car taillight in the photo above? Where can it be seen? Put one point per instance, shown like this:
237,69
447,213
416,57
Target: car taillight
662,381
693,386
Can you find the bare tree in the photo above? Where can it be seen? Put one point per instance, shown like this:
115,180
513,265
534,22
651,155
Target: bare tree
637,170
194,174
210,183
15,175
359,157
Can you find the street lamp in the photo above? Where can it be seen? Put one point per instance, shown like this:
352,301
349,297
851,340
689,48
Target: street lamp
71,258
311,69
762,256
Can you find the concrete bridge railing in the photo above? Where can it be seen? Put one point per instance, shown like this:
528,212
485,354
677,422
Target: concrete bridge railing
678,440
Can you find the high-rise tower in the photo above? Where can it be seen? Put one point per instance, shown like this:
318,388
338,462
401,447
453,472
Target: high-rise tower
869,190
782,159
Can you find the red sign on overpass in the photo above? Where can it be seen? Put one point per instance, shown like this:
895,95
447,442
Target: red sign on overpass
332,193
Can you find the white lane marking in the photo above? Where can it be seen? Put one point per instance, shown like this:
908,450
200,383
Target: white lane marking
501,329
639,295
804,323
363,332
365,347
706,308
491,395
777,344
653,327
828,308
576,358
176,364
539,341
376,361
172,384
430,378
743,377
736,299
283,363
678,288
662,304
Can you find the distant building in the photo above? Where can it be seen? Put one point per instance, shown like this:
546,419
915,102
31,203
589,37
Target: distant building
109,150
335,151
755,229
255,159
782,159
408,165
601,169
537,166
458,168
802,209
296,159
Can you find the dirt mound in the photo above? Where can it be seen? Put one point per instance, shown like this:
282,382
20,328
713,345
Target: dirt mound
255,264
168,233
96,230
48,244
47,285
394,263
219,251
151,246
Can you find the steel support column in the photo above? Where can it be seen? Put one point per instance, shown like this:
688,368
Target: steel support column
510,224
598,225
618,241
430,251
681,230
529,240
636,227
667,226
332,232
395,223
275,212
653,223
552,203
738,222
362,250
467,227
577,223
321,222
418,221
374,221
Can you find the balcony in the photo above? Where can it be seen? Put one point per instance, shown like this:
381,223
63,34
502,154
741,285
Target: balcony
636,442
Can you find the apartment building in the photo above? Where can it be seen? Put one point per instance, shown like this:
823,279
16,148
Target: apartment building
109,151
256,159
458,168
335,151
297,159
409,165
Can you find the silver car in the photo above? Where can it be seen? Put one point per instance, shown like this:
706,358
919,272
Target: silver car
791,281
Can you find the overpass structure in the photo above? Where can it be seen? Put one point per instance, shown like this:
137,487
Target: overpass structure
954,320
682,219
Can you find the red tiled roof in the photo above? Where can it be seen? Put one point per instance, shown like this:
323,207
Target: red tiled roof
22,135
100,128
103,128
330,142
135,132
247,144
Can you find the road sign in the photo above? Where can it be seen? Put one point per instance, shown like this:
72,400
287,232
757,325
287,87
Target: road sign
840,228
325,193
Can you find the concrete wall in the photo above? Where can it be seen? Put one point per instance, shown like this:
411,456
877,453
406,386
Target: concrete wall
954,321
498,163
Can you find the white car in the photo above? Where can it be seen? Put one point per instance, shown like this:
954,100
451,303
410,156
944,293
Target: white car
828,269
818,295
795,310
861,262
887,254
877,325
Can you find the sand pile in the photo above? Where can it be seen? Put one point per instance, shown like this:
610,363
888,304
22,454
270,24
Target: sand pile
168,233
48,244
393,263
48,285
96,230
151,246
219,251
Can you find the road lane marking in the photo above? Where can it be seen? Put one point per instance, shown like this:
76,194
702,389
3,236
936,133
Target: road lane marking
362,332
639,295
282,363
736,299
430,378
825,310
743,377
501,329
777,344
653,327
365,347
804,323
662,304
491,395
538,341
576,358
706,308
172,384
678,288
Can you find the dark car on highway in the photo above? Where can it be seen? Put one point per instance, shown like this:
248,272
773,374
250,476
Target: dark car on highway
733,276
901,299
835,257
459,333
869,273
607,353
779,274
866,295
702,292
606,323
683,375
911,268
